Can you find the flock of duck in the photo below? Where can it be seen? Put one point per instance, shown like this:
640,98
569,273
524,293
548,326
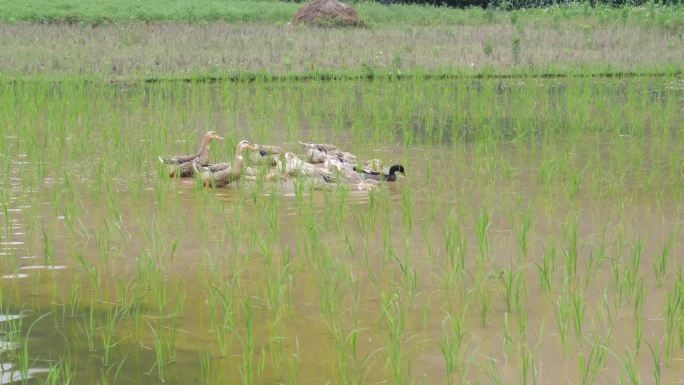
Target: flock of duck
322,163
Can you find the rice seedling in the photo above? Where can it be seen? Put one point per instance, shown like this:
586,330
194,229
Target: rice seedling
631,368
527,366
522,312
563,315
672,313
591,365
482,232
295,359
579,308
523,235
485,304
660,264
546,268
453,333
491,372
570,230
640,296
395,318
655,354
508,279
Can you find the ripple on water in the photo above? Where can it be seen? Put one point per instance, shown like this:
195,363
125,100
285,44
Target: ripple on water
42,267
11,243
10,317
8,345
15,276
9,374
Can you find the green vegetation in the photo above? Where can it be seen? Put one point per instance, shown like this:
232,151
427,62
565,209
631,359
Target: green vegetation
138,51
536,237
106,41
375,14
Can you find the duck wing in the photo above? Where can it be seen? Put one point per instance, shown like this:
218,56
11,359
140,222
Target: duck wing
325,147
178,159
346,157
368,175
182,170
217,175
224,177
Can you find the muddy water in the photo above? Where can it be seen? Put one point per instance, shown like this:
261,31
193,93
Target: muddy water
346,286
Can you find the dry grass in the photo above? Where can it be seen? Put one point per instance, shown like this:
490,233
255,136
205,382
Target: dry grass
176,49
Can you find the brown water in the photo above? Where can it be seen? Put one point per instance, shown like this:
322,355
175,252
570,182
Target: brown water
280,255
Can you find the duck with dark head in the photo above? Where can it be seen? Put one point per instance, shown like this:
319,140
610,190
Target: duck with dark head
390,177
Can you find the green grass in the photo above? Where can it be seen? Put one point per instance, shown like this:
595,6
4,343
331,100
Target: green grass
247,40
373,13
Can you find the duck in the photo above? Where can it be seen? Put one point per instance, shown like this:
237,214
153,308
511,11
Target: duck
181,165
345,173
224,174
319,152
374,175
289,165
263,155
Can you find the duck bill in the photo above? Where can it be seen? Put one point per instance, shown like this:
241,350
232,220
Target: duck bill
217,137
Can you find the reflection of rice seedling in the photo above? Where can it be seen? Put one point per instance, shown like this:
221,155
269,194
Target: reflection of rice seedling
578,307
660,264
482,232
655,354
546,268
507,339
485,304
24,359
640,296
563,315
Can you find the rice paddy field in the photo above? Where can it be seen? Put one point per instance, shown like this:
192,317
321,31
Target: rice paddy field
536,238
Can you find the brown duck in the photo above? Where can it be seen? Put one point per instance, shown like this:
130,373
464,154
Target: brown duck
223,174
181,165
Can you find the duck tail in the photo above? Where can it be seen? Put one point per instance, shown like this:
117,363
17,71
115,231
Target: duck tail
328,177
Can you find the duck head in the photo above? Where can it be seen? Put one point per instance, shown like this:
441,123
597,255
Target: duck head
396,168
244,145
212,135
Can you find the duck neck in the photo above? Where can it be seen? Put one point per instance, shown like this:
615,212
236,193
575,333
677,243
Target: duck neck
203,157
237,167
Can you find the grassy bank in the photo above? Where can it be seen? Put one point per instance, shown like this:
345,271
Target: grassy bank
136,51
374,14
